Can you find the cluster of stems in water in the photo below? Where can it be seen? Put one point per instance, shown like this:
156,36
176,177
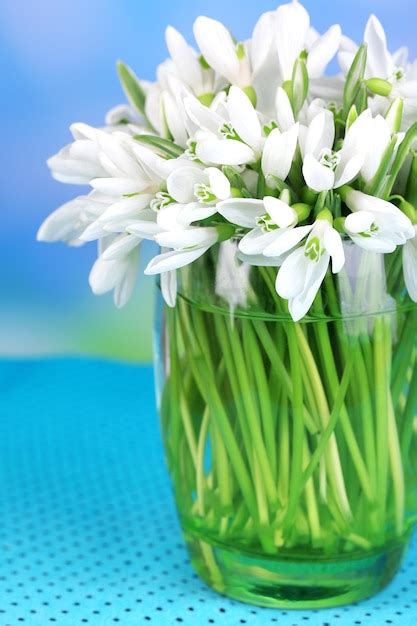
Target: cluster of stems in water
293,436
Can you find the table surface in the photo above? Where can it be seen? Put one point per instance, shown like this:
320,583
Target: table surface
88,532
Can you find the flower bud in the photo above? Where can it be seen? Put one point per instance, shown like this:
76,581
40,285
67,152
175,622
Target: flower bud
394,115
379,86
251,93
302,209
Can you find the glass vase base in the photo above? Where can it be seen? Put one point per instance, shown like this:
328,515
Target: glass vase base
294,583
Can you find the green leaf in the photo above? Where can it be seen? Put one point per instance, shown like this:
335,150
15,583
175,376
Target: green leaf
354,79
403,151
299,85
233,176
131,86
376,185
411,192
167,148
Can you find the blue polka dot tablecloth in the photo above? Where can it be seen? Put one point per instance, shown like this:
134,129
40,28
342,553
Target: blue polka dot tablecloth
88,532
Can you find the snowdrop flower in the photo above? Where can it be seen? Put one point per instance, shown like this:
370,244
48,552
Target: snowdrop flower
303,271
78,162
232,277
295,37
189,68
410,265
278,153
394,68
235,138
375,224
272,222
323,167
370,137
116,268
191,195
237,62
187,245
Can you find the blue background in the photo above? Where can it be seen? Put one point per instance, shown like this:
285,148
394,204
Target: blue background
57,63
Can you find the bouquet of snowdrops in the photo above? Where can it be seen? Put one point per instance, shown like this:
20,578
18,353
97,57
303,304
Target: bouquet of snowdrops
250,141
284,201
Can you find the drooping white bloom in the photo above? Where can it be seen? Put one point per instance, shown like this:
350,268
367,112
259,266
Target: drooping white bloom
303,271
201,80
232,136
293,36
116,268
237,62
272,222
187,245
279,151
370,137
392,67
410,265
376,224
323,167
78,162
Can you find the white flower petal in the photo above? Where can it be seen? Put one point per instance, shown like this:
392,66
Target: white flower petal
333,244
124,288
126,207
195,211
205,118
279,152
292,25
318,177
181,183
219,183
290,279
410,267
217,47
322,51
244,118
241,211
224,151
169,287
346,172
359,222
301,303
284,112
378,60
187,238
121,247
174,119
255,241
118,186
62,224
282,214
320,134
262,40
184,57
173,260
286,239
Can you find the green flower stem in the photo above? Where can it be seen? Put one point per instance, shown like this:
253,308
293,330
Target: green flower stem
397,471
331,424
252,416
298,426
254,360
203,372
283,451
381,406
333,461
408,418
286,435
281,370
311,502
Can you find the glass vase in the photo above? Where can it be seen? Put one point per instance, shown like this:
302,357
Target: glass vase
292,447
